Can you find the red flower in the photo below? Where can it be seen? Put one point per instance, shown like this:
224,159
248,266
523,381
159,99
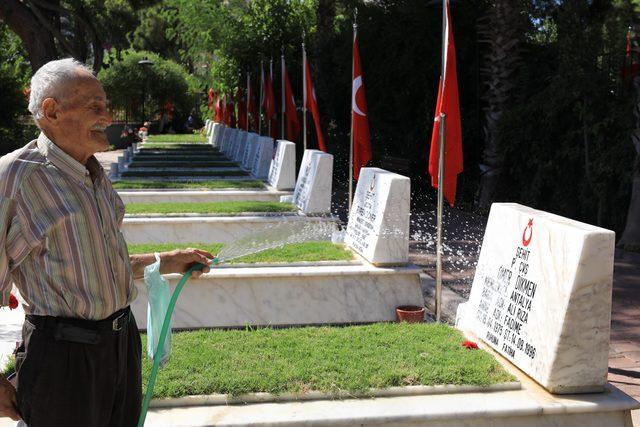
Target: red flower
470,345
13,302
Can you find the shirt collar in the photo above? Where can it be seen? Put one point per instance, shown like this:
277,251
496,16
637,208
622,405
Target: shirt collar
65,162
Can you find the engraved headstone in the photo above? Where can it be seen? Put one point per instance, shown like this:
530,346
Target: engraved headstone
378,227
227,140
282,173
262,158
241,143
250,151
216,135
541,296
312,193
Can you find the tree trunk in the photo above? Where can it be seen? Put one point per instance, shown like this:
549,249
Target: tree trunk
501,29
39,43
326,14
631,234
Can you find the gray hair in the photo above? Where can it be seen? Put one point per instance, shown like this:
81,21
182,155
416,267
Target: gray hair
48,79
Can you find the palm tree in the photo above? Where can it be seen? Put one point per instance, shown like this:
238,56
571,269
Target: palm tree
501,28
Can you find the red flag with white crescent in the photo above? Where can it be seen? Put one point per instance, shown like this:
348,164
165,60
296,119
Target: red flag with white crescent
210,97
361,138
312,106
219,116
269,99
252,109
242,109
290,112
448,104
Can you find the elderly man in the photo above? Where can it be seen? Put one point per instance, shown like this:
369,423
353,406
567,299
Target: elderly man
60,244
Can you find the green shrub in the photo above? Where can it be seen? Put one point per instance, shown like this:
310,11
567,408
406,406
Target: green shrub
126,81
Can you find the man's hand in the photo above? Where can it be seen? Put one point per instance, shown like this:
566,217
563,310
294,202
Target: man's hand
8,400
180,260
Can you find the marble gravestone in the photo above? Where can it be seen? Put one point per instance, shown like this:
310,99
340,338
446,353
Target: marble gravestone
541,297
207,128
378,226
227,141
215,137
213,134
312,193
262,158
282,173
241,143
249,151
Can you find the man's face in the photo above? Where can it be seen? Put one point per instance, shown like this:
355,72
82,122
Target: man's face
82,116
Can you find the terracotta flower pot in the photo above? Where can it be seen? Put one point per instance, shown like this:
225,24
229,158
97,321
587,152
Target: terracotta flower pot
410,314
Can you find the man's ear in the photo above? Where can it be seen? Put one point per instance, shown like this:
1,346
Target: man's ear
50,110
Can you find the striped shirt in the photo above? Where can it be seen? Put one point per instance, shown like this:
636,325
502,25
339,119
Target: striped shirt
60,239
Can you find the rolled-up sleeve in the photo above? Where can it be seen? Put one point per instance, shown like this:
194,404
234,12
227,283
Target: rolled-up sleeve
6,214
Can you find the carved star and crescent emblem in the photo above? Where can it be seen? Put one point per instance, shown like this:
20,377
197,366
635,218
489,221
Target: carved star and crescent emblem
529,228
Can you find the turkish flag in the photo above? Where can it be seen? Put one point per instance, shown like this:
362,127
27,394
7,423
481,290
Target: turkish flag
226,118
269,99
361,137
312,105
242,109
232,114
210,97
448,104
290,111
219,116
252,109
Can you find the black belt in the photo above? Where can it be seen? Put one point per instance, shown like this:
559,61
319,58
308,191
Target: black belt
81,330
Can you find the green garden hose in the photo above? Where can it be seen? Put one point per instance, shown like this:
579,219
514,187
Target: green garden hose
163,334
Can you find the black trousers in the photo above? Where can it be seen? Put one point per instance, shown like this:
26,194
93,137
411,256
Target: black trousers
69,374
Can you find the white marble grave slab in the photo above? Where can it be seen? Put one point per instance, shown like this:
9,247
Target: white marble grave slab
249,151
541,296
207,128
241,143
378,227
215,136
312,193
282,173
229,138
262,158
203,229
295,295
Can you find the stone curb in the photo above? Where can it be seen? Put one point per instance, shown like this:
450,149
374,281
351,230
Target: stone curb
226,399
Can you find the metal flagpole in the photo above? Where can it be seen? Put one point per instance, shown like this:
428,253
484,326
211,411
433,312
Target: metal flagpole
271,79
260,97
355,32
248,98
441,153
304,94
282,94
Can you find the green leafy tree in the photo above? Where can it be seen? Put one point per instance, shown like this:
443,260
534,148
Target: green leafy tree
126,82
51,29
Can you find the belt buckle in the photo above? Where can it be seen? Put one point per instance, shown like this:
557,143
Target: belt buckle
116,325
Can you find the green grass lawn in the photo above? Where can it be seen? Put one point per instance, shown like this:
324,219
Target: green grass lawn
182,164
179,137
166,146
209,207
328,359
295,252
169,173
189,185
